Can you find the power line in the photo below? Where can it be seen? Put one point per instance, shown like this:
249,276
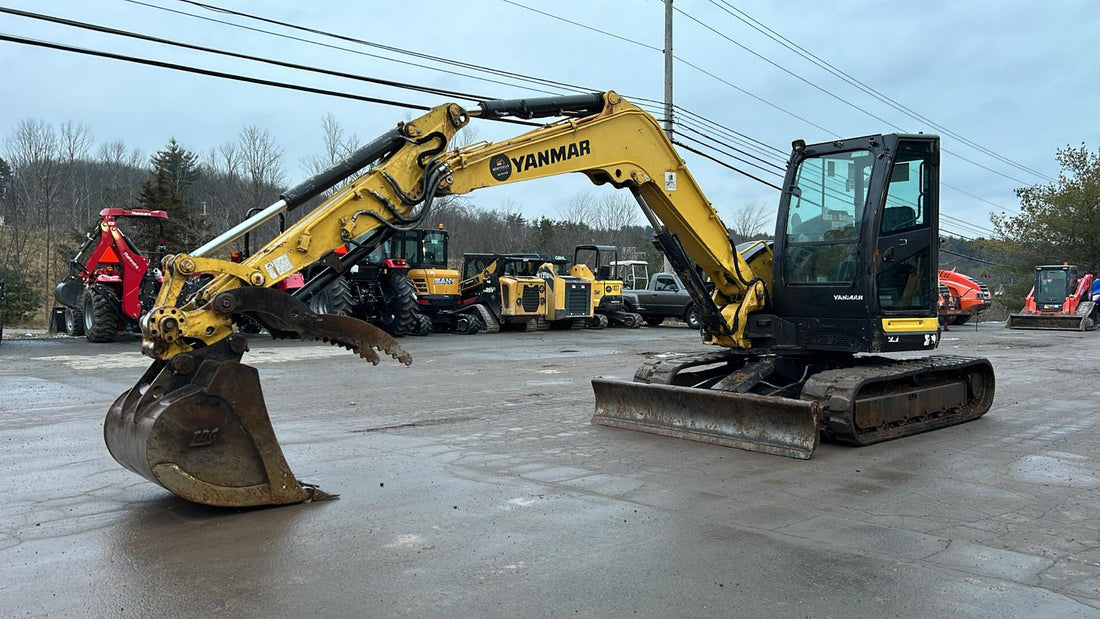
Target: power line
336,47
832,94
801,51
468,96
573,87
210,50
223,75
765,101
372,44
947,251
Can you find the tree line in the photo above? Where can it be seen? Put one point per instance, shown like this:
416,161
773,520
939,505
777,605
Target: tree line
54,180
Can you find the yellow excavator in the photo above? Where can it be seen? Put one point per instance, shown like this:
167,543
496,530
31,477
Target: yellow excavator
852,270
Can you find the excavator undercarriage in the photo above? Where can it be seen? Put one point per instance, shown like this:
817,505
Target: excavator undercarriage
783,405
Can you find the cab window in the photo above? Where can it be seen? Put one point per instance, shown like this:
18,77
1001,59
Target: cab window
665,284
825,218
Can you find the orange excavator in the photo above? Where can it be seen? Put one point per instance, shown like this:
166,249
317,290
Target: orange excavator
968,297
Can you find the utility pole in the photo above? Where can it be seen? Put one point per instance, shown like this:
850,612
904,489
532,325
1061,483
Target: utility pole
668,92
668,68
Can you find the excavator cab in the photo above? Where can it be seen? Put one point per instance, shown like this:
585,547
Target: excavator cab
853,271
856,249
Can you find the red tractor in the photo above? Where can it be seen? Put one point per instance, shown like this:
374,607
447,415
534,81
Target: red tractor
110,282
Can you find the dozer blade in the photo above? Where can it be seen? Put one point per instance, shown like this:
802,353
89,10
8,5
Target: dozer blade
769,424
1051,322
197,424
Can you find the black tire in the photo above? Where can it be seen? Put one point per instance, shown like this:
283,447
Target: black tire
468,324
423,325
961,319
1,328
100,317
691,317
74,321
400,316
654,321
335,299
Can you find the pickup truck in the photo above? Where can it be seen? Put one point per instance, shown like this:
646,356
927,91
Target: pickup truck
664,297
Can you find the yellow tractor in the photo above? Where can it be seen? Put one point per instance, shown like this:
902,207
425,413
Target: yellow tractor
595,263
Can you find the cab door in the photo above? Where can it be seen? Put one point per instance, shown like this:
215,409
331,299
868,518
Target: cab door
906,264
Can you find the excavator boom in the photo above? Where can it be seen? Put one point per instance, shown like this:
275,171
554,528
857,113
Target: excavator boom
850,272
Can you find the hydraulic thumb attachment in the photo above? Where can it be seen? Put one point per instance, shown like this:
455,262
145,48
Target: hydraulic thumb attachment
197,423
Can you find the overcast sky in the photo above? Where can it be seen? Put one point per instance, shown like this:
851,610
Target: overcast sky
1015,78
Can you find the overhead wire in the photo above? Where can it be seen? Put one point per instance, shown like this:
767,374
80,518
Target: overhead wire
750,142
832,94
801,51
745,140
223,75
769,103
220,52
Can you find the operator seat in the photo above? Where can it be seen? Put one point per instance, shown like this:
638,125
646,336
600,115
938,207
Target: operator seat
898,218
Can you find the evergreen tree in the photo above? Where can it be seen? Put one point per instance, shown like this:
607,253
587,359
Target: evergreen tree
5,177
181,165
175,172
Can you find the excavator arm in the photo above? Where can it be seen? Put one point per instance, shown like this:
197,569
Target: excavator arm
613,143
623,146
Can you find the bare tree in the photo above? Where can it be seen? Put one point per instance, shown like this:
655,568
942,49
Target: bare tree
581,209
337,146
119,179
748,221
76,141
33,151
261,162
615,211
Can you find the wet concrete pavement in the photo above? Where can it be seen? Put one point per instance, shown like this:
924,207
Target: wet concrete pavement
473,484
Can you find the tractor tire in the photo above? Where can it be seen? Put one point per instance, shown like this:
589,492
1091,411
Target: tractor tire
654,321
335,299
468,324
597,322
423,325
74,321
400,318
691,317
961,319
100,317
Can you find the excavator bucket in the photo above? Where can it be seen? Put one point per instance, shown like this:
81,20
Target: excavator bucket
197,423
774,425
198,426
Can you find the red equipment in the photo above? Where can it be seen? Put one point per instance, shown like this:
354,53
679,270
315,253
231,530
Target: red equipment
110,284
1060,299
969,297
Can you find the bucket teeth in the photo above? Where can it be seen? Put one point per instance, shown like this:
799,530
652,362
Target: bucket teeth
355,335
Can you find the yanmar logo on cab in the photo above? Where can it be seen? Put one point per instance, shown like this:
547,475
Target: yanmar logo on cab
500,166
847,297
